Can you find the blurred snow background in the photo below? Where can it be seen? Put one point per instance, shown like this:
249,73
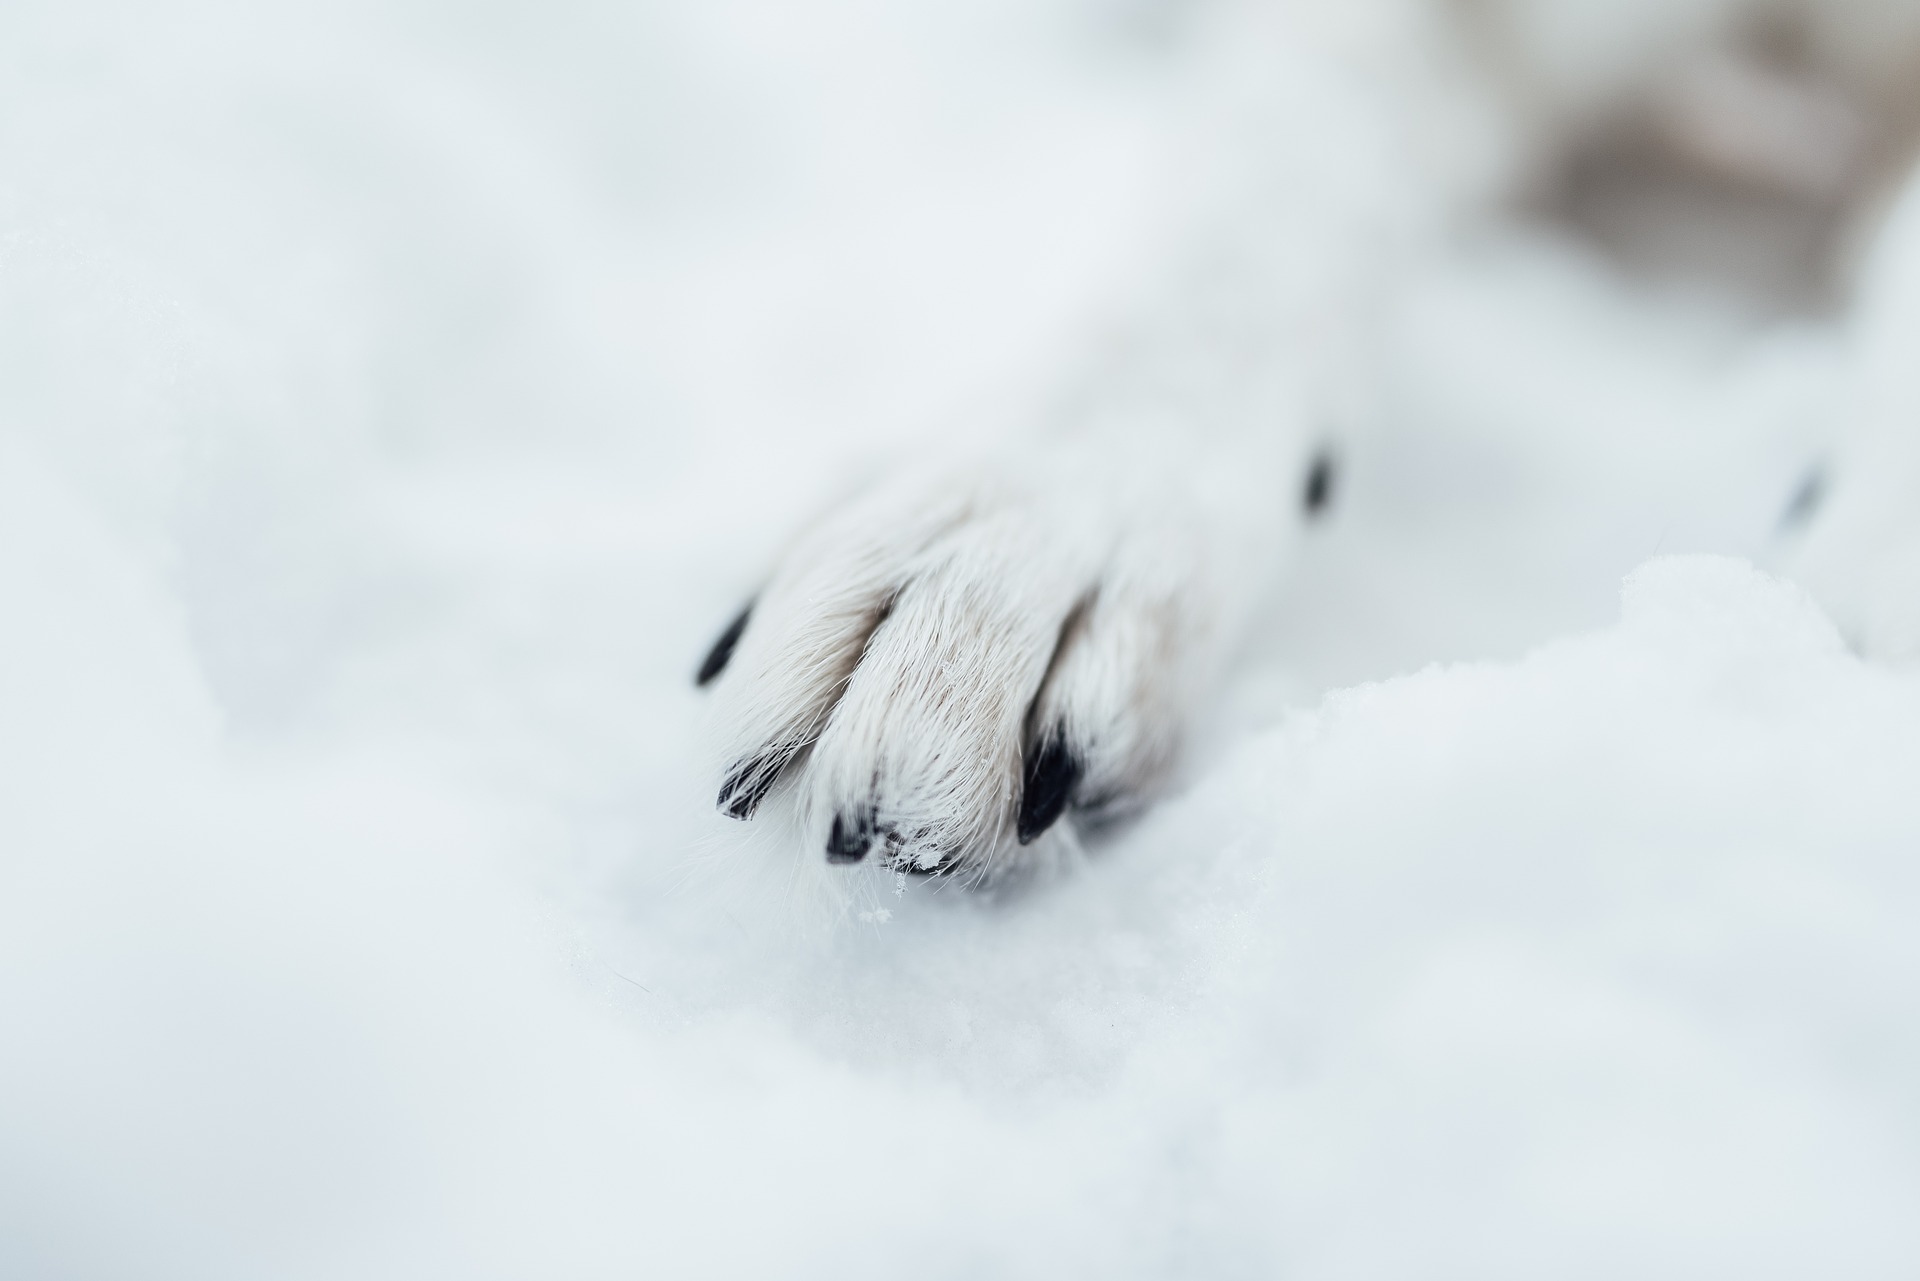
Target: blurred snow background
395,397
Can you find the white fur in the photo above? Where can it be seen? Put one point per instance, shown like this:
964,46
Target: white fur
913,649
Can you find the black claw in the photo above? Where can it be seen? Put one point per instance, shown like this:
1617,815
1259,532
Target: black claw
1806,500
748,785
722,652
849,842
1051,775
1318,491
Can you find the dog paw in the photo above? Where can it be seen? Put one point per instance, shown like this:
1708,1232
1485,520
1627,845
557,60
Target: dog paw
944,668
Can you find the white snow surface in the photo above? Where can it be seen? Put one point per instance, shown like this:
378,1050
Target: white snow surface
394,399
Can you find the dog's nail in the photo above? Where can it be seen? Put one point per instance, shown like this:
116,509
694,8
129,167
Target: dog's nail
1806,499
747,785
722,652
1318,491
1051,775
849,842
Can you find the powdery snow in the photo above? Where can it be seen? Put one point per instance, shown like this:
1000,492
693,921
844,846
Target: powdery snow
391,404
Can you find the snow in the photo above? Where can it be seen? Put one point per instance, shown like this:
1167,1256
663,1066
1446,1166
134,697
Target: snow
394,399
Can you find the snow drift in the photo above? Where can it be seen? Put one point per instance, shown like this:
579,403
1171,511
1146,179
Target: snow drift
392,406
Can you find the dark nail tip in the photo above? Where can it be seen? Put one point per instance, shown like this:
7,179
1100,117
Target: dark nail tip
1317,494
747,786
849,842
1034,826
1051,774
1806,499
722,652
